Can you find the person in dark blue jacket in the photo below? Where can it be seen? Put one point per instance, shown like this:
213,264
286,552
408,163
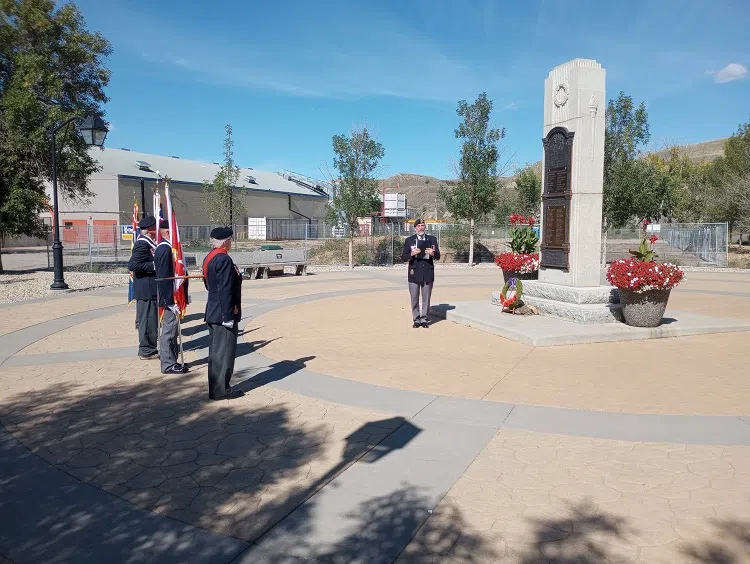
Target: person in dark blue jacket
141,264
164,265
223,312
421,251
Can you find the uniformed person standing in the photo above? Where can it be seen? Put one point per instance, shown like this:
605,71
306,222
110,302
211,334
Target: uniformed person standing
164,265
421,251
141,264
223,312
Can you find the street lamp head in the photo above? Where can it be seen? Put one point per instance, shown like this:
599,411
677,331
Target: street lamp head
94,131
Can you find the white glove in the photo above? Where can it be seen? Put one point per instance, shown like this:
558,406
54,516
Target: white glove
174,308
228,324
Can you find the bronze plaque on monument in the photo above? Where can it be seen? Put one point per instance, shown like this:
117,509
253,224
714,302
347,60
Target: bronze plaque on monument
556,196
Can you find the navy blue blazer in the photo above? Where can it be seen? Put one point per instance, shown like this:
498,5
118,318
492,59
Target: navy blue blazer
141,264
224,284
421,266
164,265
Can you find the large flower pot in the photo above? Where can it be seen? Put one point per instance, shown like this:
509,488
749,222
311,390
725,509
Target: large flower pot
645,309
508,274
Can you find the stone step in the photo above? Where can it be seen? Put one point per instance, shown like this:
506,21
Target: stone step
571,294
578,313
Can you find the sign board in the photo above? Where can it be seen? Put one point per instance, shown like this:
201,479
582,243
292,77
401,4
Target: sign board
126,232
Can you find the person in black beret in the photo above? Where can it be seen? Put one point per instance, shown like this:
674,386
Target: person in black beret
421,251
164,265
223,312
141,264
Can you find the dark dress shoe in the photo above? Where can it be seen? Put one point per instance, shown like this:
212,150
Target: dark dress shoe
425,324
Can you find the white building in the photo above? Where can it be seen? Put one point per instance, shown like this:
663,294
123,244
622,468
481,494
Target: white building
272,195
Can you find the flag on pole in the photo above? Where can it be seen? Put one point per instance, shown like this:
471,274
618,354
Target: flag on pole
136,233
180,286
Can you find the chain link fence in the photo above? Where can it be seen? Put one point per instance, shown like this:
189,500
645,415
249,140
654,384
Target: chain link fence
684,244
98,248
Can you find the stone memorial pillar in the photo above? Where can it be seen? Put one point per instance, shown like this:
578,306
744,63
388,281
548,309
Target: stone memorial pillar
569,283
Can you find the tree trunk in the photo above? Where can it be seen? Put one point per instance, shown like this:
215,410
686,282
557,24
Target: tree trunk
351,253
2,270
471,243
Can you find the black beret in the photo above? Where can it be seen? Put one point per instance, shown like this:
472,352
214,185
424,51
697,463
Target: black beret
221,233
163,224
419,222
147,222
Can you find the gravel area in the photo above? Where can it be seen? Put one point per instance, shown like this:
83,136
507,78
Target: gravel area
32,285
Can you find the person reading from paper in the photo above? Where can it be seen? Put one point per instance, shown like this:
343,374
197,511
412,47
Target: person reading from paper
421,251
164,265
223,312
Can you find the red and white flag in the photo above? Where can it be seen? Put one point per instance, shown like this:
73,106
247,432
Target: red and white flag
180,285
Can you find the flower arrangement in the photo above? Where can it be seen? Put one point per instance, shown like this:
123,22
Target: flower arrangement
523,242
641,272
510,296
517,262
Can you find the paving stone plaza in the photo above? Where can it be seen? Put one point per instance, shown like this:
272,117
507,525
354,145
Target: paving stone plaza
361,439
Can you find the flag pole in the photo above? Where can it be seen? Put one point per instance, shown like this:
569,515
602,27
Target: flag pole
157,203
179,332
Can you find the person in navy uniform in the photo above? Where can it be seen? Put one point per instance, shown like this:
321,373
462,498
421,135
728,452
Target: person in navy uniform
223,312
141,264
164,265
421,251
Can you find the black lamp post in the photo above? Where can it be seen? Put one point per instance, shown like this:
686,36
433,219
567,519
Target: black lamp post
94,131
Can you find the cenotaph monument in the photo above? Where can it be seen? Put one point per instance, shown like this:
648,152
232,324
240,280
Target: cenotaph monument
569,285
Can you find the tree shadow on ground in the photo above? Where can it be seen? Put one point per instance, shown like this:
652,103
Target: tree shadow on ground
163,447
733,546
379,531
586,535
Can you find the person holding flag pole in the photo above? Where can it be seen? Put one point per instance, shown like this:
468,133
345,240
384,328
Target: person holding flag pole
169,311
180,274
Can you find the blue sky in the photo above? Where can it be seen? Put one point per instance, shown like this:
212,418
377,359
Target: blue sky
288,75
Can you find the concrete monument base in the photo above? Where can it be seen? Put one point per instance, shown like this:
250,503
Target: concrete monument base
592,304
543,331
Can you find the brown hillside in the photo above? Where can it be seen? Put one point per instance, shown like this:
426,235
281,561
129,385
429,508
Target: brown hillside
706,151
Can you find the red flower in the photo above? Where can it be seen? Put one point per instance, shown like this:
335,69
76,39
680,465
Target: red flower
646,223
517,262
513,219
653,239
636,275
532,221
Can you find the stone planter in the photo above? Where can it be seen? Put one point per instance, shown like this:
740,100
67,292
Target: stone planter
645,309
508,274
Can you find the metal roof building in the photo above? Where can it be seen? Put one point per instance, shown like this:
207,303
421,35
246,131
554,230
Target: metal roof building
283,195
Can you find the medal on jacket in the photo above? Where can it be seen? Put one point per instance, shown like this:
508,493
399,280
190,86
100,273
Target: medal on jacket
411,272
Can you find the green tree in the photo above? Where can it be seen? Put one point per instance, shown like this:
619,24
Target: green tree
51,69
356,158
221,196
730,180
529,187
475,194
627,131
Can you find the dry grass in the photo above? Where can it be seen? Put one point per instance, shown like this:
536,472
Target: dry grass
739,256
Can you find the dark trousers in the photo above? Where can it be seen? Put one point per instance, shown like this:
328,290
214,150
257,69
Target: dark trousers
425,289
222,346
168,342
147,320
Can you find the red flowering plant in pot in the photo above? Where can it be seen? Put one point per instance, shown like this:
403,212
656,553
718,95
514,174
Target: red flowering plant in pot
522,262
644,284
